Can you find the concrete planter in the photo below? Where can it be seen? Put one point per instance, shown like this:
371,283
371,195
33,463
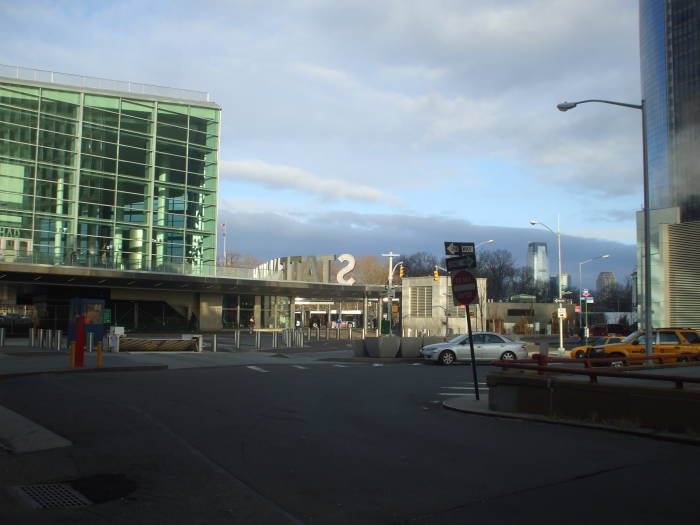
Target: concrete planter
358,348
387,346
410,346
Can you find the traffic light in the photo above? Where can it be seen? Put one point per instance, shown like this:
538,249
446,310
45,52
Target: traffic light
436,276
402,271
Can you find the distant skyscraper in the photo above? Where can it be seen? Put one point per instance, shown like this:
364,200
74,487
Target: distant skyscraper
605,281
538,261
669,41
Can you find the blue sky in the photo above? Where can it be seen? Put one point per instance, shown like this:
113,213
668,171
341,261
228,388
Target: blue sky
372,125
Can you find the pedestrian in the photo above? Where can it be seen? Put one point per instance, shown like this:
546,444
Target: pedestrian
251,324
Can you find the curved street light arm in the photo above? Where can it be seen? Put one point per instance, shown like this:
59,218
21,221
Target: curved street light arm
566,106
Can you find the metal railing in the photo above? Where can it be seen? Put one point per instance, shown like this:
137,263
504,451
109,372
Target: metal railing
52,77
540,363
92,261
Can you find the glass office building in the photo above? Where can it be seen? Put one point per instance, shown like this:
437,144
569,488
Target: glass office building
107,178
669,37
670,72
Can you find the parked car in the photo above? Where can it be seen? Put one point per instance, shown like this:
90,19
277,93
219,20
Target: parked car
665,341
598,330
488,346
580,352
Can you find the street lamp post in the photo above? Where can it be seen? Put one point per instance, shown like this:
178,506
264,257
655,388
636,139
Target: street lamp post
560,300
566,106
580,285
390,284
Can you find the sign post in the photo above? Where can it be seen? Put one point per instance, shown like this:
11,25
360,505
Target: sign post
465,292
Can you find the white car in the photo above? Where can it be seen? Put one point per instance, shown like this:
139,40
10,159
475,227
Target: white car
488,346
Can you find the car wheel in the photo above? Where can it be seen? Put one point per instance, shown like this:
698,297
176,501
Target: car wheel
508,355
580,354
446,358
619,363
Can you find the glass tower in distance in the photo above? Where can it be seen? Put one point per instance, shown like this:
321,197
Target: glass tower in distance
538,261
116,175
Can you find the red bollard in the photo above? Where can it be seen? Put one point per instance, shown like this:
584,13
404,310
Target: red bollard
542,360
79,341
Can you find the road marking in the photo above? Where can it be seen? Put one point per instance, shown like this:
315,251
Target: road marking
451,394
300,367
377,364
417,364
257,369
340,366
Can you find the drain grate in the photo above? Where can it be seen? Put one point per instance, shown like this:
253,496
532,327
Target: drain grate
51,496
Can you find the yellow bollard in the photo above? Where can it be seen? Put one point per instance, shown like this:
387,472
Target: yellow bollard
99,354
72,354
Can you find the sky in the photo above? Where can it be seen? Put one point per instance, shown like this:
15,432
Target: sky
364,126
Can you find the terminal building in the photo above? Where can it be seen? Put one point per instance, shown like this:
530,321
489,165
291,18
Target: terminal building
108,191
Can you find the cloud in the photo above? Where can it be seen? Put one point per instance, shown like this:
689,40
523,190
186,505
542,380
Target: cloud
268,235
278,177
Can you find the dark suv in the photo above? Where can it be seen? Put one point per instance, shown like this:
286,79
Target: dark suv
599,330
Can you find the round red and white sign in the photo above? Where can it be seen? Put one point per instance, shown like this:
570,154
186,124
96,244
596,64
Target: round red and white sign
464,287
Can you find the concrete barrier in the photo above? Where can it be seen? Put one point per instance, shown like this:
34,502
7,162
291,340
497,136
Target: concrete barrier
410,346
625,405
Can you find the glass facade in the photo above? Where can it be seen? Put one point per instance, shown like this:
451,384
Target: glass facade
670,72
113,181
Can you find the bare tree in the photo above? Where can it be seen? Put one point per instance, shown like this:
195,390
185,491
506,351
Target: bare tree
420,264
370,269
498,266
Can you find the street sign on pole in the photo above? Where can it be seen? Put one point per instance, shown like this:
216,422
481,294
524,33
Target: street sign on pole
459,248
464,262
561,312
464,288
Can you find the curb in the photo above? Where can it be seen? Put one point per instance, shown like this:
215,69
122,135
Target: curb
651,434
136,368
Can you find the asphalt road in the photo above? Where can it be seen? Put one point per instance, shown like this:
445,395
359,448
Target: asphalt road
333,444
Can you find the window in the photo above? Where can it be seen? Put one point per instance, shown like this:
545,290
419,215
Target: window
691,337
421,301
669,338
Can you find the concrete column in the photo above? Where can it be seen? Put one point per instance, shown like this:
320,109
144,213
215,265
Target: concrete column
365,306
210,312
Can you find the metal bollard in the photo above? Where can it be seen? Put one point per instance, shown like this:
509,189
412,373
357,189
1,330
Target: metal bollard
257,339
48,334
32,336
308,333
237,339
328,333
337,333
213,344
318,333
40,338
274,339
289,338
90,341
301,339
59,340
350,332
2,337
363,333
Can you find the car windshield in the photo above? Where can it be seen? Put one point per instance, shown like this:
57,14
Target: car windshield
457,339
597,341
631,337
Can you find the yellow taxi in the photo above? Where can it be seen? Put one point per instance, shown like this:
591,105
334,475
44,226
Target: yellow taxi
580,352
665,341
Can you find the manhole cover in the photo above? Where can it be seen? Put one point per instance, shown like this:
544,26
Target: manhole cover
51,496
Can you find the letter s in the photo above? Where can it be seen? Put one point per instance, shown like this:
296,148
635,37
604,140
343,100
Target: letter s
350,266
